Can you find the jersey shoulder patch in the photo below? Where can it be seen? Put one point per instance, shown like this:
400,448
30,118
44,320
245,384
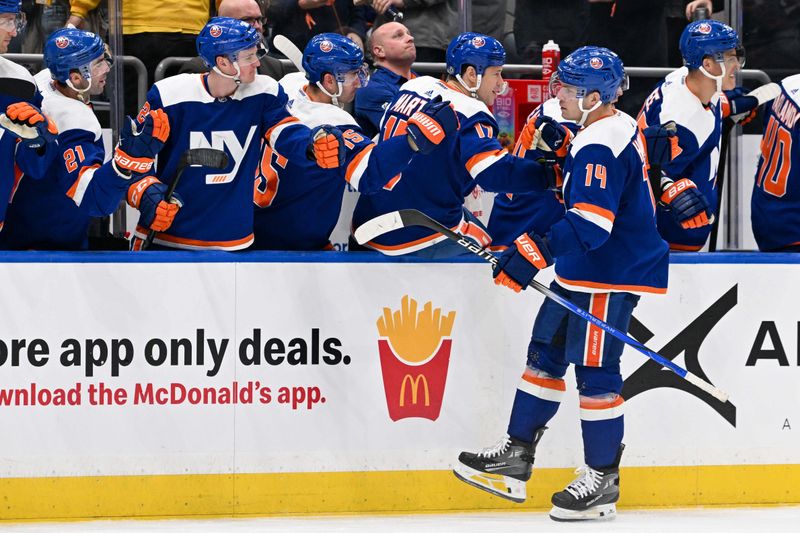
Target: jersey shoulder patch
791,86
262,84
614,132
682,106
181,89
68,113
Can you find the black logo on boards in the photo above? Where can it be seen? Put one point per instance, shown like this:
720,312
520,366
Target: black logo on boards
651,375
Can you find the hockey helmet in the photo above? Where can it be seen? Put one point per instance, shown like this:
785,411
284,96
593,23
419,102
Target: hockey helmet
14,7
71,49
475,49
334,54
10,6
590,69
708,38
224,36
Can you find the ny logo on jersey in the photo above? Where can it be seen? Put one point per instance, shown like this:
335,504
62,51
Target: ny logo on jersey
228,142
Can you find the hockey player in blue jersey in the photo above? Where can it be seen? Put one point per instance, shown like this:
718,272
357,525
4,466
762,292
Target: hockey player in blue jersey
27,136
775,205
513,214
231,108
607,252
696,97
298,202
436,183
54,212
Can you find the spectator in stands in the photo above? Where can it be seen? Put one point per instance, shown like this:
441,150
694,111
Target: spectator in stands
250,12
393,51
43,19
432,23
489,17
153,30
300,20
680,13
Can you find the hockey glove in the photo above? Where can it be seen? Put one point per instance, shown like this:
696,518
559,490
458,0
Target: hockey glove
547,135
554,176
147,195
429,126
738,102
662,143
138,148
29,123
519,264
687,205
326,146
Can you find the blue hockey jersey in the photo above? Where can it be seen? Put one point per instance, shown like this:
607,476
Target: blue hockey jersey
371,101
217,213
513,214
607,240
15,158
54,212
775,205
699,138
436,183
297,202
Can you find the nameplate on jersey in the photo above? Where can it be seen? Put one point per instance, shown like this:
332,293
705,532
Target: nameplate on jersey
228,142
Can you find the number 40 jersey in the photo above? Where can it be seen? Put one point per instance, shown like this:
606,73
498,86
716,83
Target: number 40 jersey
775,206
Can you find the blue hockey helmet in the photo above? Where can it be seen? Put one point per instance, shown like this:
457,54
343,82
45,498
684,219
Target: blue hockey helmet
478,50
334,54
590,69
10,6
224,36
71,49
14,7
708,38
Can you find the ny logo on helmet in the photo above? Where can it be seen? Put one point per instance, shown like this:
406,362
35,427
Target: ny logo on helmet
62,42
596,62
704,28
478,41
326,46
215,31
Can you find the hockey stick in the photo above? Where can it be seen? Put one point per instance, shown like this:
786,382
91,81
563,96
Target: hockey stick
204,157
288,48
411,217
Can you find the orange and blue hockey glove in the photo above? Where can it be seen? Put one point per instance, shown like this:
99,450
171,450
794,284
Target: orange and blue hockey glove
429,126
520,263
29,123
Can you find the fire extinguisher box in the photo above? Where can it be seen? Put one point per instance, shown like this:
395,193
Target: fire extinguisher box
512,108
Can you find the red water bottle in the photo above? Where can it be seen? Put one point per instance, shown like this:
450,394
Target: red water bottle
551,55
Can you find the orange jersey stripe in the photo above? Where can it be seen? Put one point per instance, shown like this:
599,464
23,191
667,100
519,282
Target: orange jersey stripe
351,168
612,287
591,208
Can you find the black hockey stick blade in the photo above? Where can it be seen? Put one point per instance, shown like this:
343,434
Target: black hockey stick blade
411,217
204,157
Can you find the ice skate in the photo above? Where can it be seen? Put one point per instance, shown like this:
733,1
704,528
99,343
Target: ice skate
592,496
502,469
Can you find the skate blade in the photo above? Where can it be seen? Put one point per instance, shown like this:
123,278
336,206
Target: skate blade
601,512
496,484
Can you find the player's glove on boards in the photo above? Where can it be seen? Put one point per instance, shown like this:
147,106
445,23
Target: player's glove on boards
429,126
519,264
138,148
148,196
29,123
687,205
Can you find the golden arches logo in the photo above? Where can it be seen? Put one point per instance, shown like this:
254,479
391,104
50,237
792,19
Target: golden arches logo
414,382
415,336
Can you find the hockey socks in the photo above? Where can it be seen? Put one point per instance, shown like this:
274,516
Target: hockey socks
602,423
538,397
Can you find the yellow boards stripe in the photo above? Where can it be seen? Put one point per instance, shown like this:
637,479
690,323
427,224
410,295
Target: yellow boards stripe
65,498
